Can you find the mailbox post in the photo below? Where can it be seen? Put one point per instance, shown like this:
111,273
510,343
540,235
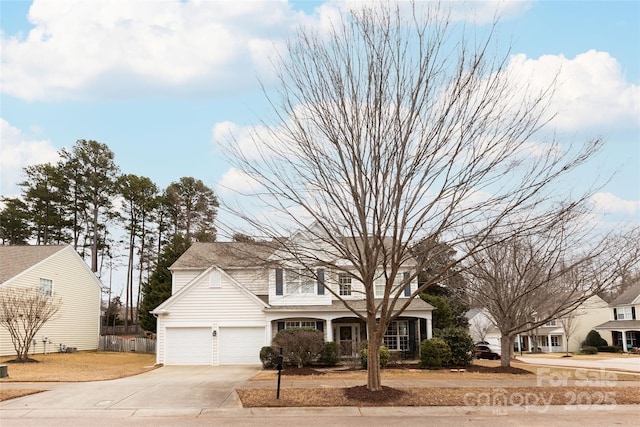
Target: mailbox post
279,367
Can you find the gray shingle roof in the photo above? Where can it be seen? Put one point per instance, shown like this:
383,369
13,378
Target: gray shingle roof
16,259
627,296
202,255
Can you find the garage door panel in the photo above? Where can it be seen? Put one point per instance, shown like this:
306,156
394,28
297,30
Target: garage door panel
189,346
240,346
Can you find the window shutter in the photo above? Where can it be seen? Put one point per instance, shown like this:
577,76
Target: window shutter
320,325
280,326
320,274
633,313
407,288
615,314
278,281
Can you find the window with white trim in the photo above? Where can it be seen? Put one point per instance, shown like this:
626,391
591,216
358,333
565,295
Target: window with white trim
397,335
46,287
299,324
297,282
624,313
380,283
555,340
551,322
344,283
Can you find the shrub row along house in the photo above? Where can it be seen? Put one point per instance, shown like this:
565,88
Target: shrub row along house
34,274
229,299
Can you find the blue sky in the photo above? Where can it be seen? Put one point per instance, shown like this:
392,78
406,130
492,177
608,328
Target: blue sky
154,79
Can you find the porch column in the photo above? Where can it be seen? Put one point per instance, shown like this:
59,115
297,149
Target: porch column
329,330
624,342
268,333
549,342
429,329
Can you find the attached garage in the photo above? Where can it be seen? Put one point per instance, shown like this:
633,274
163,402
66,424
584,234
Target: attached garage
189,346
240,345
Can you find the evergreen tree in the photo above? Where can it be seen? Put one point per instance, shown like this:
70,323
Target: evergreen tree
14,222
158,288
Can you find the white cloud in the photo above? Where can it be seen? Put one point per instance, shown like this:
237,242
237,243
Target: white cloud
237,181
591,93
611,204
81,49
18,151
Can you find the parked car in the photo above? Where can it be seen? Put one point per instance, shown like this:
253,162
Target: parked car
486,352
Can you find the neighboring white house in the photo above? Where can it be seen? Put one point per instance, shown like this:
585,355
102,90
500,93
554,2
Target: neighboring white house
225,306
623,326
61,272
552,336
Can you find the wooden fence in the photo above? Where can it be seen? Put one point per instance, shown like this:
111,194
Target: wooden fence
137,345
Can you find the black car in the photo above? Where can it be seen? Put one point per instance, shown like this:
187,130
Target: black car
486,352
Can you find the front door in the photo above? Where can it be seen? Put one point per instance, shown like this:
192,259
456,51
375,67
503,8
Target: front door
348,340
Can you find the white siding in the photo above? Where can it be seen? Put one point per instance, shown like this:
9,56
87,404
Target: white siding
180,278
255,280
202,305
77,323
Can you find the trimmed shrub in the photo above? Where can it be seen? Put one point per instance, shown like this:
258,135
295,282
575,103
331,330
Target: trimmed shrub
433,353
268,357
384,354
460,343
589,349
300,346
594,340
609,349
330,354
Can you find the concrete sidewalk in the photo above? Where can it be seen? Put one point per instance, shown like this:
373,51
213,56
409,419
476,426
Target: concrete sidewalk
195,395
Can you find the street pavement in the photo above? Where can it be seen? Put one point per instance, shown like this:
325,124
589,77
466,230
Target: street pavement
204,395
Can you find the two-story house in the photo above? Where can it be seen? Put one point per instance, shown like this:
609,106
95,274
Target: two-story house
229,299
624,323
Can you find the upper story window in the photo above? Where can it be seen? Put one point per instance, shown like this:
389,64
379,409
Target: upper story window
624,313
46,287
380,283
551,322
297,282
344,281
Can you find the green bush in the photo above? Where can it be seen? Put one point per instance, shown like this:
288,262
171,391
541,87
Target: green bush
268,357
460,343
434,353
589,349
300,346
330,354
609,349
594,340
384,354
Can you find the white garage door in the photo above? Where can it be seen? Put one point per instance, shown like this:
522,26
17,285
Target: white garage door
188,346
240,346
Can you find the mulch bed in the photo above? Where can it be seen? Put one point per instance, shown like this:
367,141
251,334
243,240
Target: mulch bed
305,371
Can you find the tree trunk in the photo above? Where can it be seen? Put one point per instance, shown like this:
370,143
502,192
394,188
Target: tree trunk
374,382
505,350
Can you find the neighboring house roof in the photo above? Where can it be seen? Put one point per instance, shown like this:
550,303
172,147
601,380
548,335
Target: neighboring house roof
202,255
630,296
16,259
473,313
620,324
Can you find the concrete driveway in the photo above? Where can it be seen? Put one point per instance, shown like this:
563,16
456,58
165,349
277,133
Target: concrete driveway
167,391
622,363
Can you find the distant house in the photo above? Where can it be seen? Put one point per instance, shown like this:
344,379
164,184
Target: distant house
62,273
552,336
623,327
225,306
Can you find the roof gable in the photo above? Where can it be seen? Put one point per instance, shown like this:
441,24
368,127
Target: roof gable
16,259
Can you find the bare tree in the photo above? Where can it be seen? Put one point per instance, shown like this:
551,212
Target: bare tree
529,279
569,324
23,312
480,327
391,129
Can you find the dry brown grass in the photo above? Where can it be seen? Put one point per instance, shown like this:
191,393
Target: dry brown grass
73,367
